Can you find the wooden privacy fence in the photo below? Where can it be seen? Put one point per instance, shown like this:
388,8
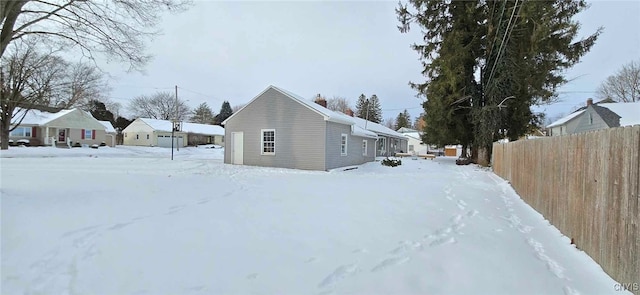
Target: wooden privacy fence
588,186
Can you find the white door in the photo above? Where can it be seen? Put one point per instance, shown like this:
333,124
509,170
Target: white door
237,147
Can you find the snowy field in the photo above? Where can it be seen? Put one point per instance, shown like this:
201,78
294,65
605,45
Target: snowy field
127,220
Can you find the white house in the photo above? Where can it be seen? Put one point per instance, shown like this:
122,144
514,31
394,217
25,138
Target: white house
154,132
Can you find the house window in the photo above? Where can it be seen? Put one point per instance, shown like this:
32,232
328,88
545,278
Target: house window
343,145
364,147
137,136
411,148
590,119
381,145
21,131
147,136
268,141
125,135
87,133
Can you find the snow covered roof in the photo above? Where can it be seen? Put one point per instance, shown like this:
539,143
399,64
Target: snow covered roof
377,128
36,117
328,114
629,112
406,130
165,125
565,119
108,126
414,135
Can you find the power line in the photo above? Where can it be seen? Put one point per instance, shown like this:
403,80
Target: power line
507,33
198,93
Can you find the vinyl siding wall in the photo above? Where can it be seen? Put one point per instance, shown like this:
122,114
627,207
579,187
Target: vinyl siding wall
299,133
354,147
566,128
585,125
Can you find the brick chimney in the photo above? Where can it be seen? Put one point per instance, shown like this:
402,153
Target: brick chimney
321,101
589,102
349,112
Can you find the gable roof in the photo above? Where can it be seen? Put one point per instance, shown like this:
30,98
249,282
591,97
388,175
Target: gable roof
414,135
327,114
565,119
108,126
406,130
629,112
608,116
165,125
36,117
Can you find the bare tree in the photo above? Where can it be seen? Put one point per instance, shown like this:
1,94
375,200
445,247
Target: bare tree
624,86
116,29
390,123
28,79
85,82
161,105
338,104
236,108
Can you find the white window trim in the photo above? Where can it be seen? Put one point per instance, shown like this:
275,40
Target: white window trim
24,132
365,147
346,144
262,152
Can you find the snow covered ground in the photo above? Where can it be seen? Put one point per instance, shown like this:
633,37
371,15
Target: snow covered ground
127,220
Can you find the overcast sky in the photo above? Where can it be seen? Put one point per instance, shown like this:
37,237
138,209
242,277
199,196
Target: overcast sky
232,51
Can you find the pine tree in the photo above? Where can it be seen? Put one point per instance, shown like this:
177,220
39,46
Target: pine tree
99,111
225,112
202,115
361,107
403,120
375,111
520,49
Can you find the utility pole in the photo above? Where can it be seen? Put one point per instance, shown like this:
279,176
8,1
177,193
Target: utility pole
177,125
366,120
173,127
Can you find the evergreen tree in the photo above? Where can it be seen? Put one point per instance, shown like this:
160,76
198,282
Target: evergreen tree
121,123
225,112
361,106
375,111
202,114
403,120
520,48
99,111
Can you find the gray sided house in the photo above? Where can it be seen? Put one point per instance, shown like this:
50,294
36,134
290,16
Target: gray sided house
280,129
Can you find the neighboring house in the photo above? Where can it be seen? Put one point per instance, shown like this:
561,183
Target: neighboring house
598,116
565,125
415,145
280,129
203,133
64,128
153,132
404,130
110,136
389,142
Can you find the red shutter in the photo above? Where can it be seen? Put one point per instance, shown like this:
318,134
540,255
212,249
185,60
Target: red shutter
93,134
33,131
82,135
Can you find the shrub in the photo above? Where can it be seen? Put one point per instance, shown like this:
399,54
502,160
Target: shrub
76,144
103,144
391,162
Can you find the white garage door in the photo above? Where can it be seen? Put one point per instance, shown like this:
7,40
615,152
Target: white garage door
165,141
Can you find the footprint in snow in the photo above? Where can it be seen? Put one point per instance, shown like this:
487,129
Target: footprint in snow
311,260
390,262
252,276
443,241
339,274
